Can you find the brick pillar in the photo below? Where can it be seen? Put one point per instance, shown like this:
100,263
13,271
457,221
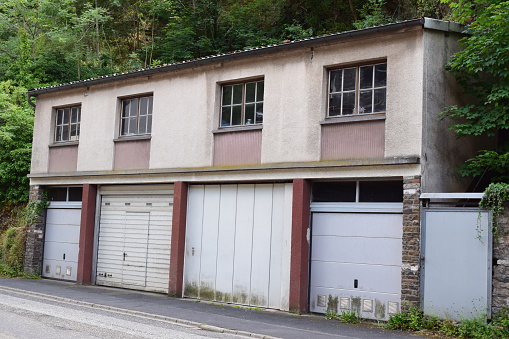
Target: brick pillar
410,269
299,265
500,288
178,239
87,227
32,262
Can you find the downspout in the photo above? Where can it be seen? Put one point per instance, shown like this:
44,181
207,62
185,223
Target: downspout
29,99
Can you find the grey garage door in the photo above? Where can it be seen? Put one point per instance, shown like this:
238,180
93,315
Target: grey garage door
61,240
356,263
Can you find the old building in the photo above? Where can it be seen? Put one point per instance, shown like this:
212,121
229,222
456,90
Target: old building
285,176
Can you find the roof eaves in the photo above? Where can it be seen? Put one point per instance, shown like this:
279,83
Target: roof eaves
310,42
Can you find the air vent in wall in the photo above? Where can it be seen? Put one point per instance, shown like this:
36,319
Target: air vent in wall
321,300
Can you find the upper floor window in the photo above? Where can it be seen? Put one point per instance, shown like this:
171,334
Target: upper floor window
136,116
67,124
357,90
242,104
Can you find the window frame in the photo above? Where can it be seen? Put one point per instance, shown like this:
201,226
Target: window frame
255,103
137,117
59,128
357,90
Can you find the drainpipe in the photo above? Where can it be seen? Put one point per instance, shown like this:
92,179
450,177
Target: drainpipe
29,99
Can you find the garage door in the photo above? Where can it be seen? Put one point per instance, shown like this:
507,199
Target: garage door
356,263
134,241
61,241
238,244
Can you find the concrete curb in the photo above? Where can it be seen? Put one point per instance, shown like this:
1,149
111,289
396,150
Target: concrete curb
177,321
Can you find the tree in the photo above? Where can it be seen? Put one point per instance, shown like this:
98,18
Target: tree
482,68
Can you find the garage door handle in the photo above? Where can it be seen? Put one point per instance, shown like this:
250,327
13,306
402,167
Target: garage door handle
63,257
125,255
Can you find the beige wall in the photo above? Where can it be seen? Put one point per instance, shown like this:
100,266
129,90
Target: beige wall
186,105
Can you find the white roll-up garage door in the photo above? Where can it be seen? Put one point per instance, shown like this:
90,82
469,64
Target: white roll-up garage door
61,240
134,240
238,244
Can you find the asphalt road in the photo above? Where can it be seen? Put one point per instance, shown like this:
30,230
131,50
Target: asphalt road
25,316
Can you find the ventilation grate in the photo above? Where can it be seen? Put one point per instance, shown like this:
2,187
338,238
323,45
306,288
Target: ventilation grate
344,303
393,307
367,305
321,300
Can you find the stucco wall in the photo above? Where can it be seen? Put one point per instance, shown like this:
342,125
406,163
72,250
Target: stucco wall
442,152
186,105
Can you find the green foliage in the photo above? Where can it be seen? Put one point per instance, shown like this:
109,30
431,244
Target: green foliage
415,320
495,195
16,123
481,68
349,316
13,239
373,14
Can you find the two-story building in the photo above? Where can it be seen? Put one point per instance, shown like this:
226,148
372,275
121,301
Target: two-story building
285,176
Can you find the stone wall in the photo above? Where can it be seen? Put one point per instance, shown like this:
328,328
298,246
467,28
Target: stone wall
35,237
500,292
410,272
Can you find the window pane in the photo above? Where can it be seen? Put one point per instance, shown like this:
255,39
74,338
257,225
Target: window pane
132,126
366,77
134,107
144,106
259,90
250,92
348,103
381,191
57,194
77,131
259,113
75,193
74,115
126,104
349,79
365,102
142,125
73,131
336,78
124,130
149,124
236,115
380,100
335,104
58,133
65,132
334,191
60,114
227,95
225,116
249,114
381,75
66,116
237,94
150,104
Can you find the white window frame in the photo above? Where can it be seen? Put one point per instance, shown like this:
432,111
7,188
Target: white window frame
257,104
139,114
67,123
356,91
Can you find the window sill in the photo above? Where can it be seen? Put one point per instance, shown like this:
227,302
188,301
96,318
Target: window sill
64,144
353,118
133,138
238,129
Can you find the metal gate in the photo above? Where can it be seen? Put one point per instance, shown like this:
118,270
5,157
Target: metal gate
456,262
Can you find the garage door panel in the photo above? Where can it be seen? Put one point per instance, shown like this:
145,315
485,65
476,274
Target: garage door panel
358,225
371,278
380,251
260,259
63,216
56,250
59,232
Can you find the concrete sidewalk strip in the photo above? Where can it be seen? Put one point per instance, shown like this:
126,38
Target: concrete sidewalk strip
181,322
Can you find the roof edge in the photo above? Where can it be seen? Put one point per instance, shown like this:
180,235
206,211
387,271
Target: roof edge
424,22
